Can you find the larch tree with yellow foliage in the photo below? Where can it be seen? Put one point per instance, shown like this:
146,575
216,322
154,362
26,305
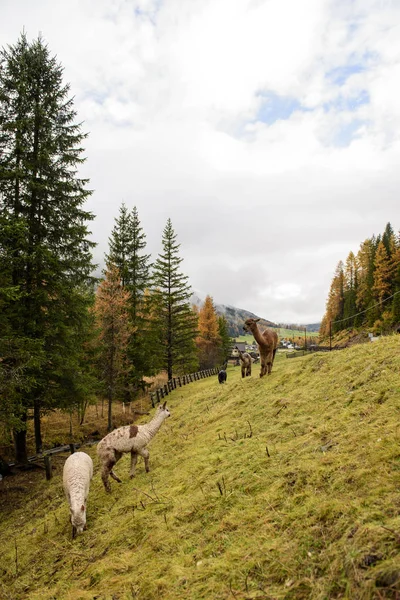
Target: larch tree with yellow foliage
209,340
111,309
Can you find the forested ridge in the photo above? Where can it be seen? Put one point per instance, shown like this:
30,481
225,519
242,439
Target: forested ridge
365,289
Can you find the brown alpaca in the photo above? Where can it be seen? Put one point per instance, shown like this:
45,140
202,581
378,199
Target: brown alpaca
246,361
267,344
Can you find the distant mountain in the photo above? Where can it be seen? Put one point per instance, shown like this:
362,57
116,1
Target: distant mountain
313,327
235,316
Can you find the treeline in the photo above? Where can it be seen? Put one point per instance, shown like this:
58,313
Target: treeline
365,289
67,337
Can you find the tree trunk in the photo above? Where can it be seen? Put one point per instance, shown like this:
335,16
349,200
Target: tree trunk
36,420
110,397
21,454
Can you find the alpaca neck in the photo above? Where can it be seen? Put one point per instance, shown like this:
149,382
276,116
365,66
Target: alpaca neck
257,336
154,425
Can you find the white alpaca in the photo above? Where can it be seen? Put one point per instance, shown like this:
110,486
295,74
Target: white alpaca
77,473
130,438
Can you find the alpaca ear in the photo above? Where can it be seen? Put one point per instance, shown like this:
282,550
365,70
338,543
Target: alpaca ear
164,405
256,320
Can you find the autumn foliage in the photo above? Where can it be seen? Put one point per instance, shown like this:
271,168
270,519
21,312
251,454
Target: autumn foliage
111,311
208,341
365,290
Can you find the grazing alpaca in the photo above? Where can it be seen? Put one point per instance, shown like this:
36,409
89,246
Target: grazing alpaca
246,361
130,438
267,344
222,376
77,473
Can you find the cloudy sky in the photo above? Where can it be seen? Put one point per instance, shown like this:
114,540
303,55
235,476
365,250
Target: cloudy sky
267,130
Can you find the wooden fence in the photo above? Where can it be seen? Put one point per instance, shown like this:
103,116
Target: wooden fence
175,382
311,350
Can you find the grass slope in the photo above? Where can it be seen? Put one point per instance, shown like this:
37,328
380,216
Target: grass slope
280,488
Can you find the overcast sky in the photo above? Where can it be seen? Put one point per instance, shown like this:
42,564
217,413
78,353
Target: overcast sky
267,130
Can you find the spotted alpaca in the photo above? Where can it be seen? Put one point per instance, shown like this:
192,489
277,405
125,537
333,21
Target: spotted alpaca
130,438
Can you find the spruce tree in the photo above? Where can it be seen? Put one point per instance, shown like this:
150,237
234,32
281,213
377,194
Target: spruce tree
127,244
44,235
174,318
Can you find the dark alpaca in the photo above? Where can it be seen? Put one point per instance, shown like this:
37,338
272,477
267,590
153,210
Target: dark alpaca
246,361
267,344
222,376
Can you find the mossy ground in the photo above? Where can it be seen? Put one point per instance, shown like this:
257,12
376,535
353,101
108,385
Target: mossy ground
286,487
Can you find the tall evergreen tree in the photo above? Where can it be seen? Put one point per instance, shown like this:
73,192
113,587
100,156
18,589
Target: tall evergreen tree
226,342
176,321
44,235
119,245
127,245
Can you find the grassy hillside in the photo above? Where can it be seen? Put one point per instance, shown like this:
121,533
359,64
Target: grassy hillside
280,488
282,333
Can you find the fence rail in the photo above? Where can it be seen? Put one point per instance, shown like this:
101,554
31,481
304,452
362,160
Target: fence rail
172,384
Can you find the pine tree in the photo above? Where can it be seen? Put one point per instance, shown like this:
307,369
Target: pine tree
208,341
226,342
43,226
111,311
119,245
127,245
176,321
396,283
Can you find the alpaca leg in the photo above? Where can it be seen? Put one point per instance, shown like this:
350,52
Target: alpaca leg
104,476
134,457
117,456
263,368
146,455
243,371
114,476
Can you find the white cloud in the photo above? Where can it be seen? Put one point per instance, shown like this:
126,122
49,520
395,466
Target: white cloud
172,95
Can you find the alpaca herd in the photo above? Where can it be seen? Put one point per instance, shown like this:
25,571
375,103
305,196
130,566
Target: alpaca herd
134,439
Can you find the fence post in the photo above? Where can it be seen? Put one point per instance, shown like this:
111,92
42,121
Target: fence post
72,448
166,389
47,466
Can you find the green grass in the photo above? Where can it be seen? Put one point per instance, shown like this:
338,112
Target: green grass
279,488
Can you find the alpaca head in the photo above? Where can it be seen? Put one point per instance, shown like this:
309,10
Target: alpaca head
250,325
164,410
78,519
